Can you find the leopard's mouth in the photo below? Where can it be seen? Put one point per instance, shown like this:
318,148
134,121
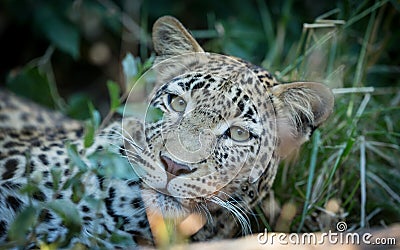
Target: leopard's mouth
175,207
167,205
163,198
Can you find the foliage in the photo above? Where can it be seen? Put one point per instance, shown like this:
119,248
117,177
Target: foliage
107,163
352,46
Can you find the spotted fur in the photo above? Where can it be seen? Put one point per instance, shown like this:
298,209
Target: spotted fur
188,161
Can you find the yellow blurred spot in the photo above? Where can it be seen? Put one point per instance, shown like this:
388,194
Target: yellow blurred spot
285,219
333,205
99,53
168,232
288,211
158,227
191,224
45,246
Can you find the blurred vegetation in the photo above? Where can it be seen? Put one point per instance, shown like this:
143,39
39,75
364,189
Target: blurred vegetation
62,53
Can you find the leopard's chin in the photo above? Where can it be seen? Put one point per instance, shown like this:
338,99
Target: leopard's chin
168,206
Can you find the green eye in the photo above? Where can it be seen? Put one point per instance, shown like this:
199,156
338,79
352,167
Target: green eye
178,104
239,134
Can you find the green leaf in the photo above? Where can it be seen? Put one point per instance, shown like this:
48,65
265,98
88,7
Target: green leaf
56,177
121,239
90,131
68,213
154,114
94,203
29,188
114,91
77,106
78,191
60,31
148,63
71,181
23,222
91,126
112,165
75,157
130,66
94,116
32,84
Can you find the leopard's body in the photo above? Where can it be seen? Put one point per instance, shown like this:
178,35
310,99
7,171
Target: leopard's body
226,124
33,147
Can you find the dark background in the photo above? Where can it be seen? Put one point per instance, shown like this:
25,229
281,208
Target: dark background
73,28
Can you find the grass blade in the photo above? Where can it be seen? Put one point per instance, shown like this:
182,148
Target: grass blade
363,182
313,163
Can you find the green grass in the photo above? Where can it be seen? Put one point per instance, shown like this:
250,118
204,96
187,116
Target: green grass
358,143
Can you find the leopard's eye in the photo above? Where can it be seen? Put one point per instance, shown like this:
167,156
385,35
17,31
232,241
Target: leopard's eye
239,134
177,103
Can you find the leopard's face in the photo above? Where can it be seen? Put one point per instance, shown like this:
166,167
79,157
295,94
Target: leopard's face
217,133
209,139
225,124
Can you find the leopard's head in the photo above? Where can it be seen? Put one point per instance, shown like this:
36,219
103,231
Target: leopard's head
225,125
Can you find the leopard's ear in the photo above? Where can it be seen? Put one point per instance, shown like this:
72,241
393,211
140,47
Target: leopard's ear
170,38
302,107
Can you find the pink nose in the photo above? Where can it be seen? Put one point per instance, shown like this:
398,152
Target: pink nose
174,168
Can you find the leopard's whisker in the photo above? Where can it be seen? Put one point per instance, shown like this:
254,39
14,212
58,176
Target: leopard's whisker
239,203
237,212
207,212
124,135
116,134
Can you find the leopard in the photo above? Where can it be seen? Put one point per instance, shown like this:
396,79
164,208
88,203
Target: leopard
224,126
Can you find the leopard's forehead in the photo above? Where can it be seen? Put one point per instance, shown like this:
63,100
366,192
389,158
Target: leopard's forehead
227,67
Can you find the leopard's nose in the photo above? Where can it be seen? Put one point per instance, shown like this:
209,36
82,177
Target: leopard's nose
174,168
